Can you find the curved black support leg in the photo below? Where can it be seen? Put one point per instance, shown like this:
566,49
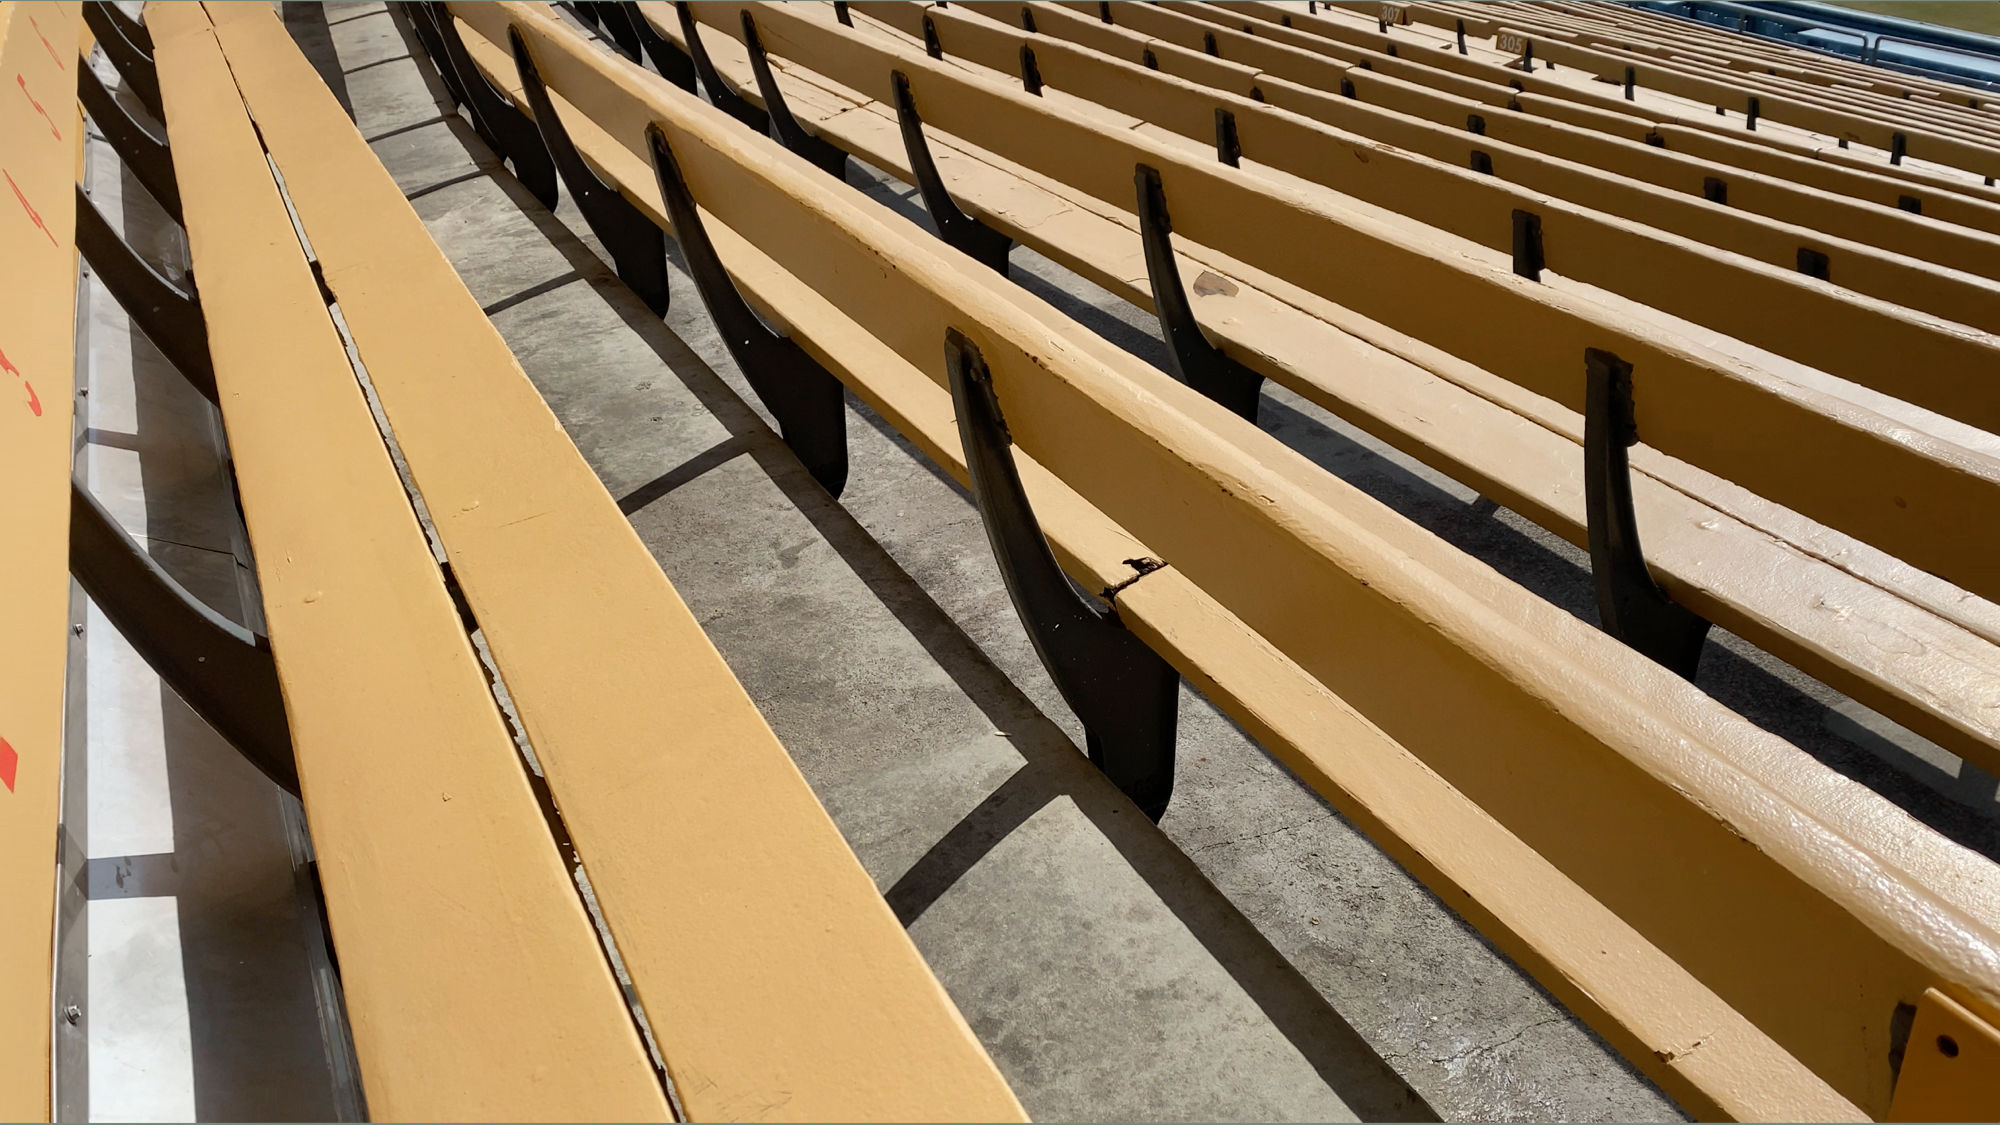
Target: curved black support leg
808,401
784,126
499,120
223,671
170,318
1631,605
146,155
614,20
134,63
584,10
419,17
1127,695
1196,361
134,31
720,94
672,62
638,247
959,230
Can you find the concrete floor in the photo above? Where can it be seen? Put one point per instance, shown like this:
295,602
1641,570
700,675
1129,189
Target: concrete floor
1252,957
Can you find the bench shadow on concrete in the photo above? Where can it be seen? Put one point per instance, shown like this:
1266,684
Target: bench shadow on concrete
1055,768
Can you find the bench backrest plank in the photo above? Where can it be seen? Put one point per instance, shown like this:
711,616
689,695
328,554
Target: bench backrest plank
475,983
769,963
39,141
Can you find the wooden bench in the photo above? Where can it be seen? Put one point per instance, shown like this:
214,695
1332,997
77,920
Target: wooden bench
777,981
1699,134
40,151
1276,70
1522,451
1606,796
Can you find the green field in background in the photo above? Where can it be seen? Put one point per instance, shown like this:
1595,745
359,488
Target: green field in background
1967,15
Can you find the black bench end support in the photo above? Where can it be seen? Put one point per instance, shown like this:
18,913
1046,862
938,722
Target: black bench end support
959,230
1127,696
808,400
1630,605
1195,360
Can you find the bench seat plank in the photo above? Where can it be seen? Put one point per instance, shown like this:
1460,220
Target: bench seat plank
475,983
777,980
39,143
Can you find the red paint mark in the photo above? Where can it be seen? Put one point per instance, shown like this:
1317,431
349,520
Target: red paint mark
34,402
45,43
23,81
8,761
29,207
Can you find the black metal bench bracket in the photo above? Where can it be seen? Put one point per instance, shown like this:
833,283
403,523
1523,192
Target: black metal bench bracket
808,400
959,230
615,21
785,127
1127,696
135,31
1630,605
720,94
151,162
223,671
637,246
672,62
169,316
134,63
1196,361
500,122
418,16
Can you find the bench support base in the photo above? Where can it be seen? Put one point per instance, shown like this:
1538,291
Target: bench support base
673,63
169,316
1631,606
1196,361
720,94
145,154
959,230
784,126
1127,695
809,402
224,672
638,248
134,62
499,122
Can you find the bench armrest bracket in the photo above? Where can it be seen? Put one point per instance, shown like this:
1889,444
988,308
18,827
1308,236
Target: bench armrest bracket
1127,695
1630,605
638,248
1195,360
146,155
720,94
808,400
499,122
791,134
169,316
224,672
959,230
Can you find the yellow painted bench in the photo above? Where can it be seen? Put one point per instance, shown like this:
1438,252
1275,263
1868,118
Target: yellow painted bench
1571,789
777,981
1699,134
40,138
